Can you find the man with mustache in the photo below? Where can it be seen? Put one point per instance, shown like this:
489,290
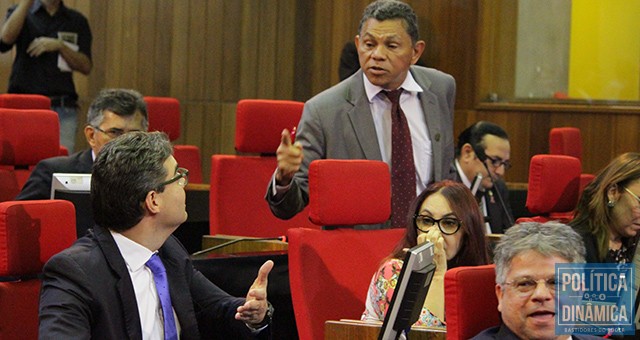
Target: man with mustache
359,117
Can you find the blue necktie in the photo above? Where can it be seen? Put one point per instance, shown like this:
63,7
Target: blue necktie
162,286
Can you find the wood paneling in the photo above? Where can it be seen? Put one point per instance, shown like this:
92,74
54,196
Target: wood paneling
211,53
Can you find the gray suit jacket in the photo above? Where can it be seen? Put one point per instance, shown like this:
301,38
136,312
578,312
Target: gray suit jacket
337,124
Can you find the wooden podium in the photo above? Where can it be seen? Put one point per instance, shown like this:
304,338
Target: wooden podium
361,330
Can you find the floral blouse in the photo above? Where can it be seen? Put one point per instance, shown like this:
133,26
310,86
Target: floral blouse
381,290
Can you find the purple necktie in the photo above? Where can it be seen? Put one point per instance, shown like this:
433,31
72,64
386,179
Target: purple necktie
403,170
162,286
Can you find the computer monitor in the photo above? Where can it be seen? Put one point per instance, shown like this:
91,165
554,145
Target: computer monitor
410,292
75,188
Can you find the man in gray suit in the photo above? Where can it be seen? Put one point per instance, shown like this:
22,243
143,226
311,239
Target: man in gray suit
352,120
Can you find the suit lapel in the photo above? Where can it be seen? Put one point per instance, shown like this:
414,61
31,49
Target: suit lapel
124,286
361,118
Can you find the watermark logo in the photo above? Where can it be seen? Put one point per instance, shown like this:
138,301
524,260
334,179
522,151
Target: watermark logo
595,298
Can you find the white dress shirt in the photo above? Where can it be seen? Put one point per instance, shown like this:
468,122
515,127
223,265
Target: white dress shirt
410,103
149,308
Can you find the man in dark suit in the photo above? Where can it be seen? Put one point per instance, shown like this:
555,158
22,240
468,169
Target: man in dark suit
112,113
353,120
104,287
525,260
483,152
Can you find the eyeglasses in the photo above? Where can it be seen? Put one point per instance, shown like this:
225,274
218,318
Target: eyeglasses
447,225
496,162
632,194
182,176
113,132
527,285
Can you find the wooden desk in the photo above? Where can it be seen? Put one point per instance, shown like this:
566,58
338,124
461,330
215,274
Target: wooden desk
360,330
243,245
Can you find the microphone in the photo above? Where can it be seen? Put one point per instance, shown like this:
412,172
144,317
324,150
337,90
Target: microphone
475,185
282,238
483,158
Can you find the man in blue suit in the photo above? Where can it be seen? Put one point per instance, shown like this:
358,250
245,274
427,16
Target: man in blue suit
352,120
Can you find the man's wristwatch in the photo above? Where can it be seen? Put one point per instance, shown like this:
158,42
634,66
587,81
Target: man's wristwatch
267,318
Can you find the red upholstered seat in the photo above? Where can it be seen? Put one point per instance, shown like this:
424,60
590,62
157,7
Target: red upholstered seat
239,182
565,141
330,272
339,263
24,101
26,137
471,305
30,233
339,190
164,115
554,184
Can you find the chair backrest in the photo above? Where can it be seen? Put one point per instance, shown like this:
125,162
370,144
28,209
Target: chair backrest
565,141
239,182
471,305
30,233
330,272
349,192
340,261
26,137
24,101
164,115
554,184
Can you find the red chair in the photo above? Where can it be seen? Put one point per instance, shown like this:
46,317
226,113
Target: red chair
164,115
330,270
239,182
30,233
28,102
26,137
24,101
568,141
554,183
565,141
471,305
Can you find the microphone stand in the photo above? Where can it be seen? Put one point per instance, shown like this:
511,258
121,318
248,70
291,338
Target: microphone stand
228,243
502,205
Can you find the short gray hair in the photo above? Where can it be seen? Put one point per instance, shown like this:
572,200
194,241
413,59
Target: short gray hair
549,239
123,102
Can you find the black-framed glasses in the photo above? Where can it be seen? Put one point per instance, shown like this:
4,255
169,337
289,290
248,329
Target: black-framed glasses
181,176
497,162
447,225
113,132
527,285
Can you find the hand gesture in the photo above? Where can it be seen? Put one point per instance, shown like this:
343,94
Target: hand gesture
289,158
44,44
255,307
439,254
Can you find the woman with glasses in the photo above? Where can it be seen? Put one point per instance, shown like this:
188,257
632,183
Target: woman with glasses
447,215
608,213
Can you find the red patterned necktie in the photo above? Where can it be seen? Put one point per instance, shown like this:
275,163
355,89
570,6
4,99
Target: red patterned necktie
403,170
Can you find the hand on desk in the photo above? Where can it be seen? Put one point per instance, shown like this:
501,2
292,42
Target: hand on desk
289,157
255,308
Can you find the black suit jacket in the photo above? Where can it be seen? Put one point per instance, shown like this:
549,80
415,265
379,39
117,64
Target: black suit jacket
38,186
87,293
498,219
504,333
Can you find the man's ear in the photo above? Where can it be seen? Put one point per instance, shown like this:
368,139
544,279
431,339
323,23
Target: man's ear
467,153
499,293
418,48
152,202
90,135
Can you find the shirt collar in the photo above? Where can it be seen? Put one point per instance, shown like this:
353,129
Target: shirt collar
409,85
134,254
